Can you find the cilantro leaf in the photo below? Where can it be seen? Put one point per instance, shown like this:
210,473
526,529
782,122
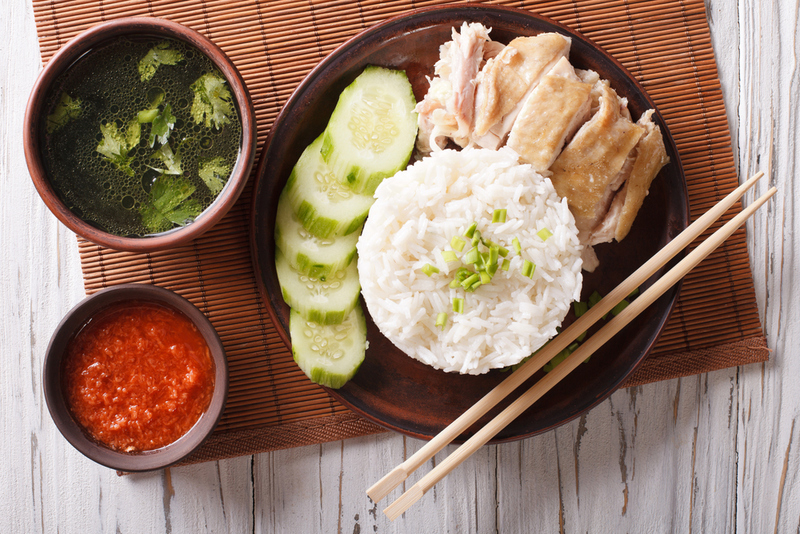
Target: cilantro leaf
212,104
159,55
214,172
68,108
170,159
116,144
169,204
162,122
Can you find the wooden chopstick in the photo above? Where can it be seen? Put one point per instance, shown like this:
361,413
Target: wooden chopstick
400,473
616,324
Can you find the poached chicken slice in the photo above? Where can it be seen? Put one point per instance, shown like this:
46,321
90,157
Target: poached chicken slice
506,79
550,115
591,167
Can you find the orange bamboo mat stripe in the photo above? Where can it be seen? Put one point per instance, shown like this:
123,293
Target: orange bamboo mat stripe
664,43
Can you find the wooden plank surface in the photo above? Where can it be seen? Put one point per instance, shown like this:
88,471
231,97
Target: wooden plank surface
710,453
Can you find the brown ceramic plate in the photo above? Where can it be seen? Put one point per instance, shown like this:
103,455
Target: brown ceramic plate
390,388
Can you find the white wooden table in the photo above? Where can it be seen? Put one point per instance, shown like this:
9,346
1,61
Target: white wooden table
709,453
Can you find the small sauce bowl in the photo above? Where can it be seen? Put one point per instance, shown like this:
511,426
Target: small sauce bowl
64,59
54,388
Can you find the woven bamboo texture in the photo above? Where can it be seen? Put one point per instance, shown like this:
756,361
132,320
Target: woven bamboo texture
665,44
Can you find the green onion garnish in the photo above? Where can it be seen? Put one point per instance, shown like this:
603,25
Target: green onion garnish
517,246
471,256
499,216
457,243
494,253
506,264
580,308
619,307
544,233
527,268
485,277
441,320
471,230
633,293
458,305
594,298
581,337
429,269
467,283
449,255
476,238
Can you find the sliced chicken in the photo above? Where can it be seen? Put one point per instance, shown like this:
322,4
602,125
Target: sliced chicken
591,167
550,115
651,156
505,80
448,108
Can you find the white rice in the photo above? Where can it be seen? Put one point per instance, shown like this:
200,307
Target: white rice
418,212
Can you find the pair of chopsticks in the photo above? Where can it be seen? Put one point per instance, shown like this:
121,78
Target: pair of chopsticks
394,478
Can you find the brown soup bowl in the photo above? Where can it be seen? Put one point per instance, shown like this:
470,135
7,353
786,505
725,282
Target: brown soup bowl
48,82
54,378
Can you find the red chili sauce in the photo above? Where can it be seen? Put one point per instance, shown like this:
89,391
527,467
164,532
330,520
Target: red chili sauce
138,376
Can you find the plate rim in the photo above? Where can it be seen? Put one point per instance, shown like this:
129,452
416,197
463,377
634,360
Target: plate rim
351,45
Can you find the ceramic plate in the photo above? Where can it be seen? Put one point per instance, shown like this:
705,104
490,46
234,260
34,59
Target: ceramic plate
392,389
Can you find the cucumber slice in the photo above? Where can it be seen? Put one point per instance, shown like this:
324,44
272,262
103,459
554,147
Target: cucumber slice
307,253
329,355
323,204
325,300
372,130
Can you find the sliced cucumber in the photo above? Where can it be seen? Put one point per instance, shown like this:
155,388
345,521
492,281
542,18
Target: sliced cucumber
329,355
323,204
325,300
307,253
372,130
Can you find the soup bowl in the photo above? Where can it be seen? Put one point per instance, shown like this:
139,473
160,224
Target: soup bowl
72,199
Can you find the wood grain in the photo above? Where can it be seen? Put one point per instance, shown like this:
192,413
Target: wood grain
708,453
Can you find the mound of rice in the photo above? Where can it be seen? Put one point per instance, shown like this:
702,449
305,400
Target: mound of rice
415,216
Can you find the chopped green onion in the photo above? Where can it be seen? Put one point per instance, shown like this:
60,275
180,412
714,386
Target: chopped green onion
441,320
492,268
633,293
476,238
572,348
449,255
494,253
471,230
506,265
517,246
581,337
457,243
499,216
580,308
454,284
501,250
544,233
429,269
471,256
528,268
458,305
474,286
594,298
485,277
619,307
467,283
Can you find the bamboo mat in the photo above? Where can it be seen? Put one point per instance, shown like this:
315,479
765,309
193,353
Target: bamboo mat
664,43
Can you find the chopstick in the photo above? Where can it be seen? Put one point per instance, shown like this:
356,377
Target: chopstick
616,324
400,473
572,361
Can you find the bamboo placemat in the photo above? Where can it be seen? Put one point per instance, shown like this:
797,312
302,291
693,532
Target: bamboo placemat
664,43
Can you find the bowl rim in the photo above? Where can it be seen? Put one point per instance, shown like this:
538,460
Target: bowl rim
62,61
72,431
